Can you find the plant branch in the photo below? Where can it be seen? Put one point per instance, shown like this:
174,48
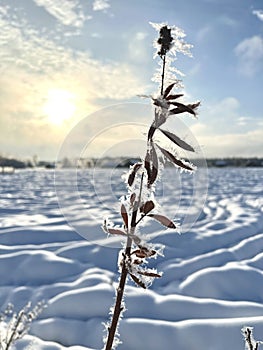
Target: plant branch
10,341
124,272
249,340
142,217
120,290
163,72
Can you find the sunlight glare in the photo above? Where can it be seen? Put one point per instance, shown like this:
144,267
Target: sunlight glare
59,106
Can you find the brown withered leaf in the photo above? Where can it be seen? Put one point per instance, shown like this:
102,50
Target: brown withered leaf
115,231
154,166
137,281
149,274
133,172
147,163
174,97
144,252
147,207
181,108
163,220
132,198
174,160
138,262
168,90
151,132
124,215
177,140
193,106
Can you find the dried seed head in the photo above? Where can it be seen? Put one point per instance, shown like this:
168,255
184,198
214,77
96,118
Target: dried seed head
165,40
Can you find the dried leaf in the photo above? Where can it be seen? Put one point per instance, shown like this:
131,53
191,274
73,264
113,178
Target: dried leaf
115,231
194,105
147,164
124,215
174,160
133,172
174,97
163,220
138,262
140,254
144,252
137,281
177,140
147,207
149,274
168,90
132,199
181,108
154,168
151,164
151,132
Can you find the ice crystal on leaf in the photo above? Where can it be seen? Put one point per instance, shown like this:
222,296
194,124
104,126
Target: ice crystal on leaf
169,52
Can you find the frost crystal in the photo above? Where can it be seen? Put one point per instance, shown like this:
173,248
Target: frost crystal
177,45
13,326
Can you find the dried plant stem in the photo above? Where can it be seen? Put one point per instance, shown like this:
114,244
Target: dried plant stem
124,272
163,72
137,251
118,304
10,341
250,342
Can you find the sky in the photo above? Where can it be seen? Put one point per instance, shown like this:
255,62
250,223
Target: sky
62,61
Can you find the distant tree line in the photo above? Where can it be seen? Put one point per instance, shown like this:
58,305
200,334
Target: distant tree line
120,162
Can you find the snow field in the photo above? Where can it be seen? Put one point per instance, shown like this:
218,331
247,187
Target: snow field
212,275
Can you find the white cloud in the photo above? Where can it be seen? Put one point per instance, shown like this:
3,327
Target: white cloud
243,121
249,144
204,32
67,12
259,14
138,50
223,131
100,5
250,55
31,65
227,21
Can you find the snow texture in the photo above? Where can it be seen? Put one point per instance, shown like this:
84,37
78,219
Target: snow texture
212,275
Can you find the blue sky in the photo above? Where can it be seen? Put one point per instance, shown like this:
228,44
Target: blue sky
62,60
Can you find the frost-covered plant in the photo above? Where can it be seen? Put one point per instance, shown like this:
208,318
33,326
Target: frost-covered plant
139,203
14,326
250,342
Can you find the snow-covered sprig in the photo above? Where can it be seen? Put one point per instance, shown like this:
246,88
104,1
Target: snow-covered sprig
14,325
250,342
169,42
139,204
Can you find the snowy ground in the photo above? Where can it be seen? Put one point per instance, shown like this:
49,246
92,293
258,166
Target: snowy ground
212,282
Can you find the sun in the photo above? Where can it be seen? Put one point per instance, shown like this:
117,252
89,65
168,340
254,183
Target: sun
60,106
